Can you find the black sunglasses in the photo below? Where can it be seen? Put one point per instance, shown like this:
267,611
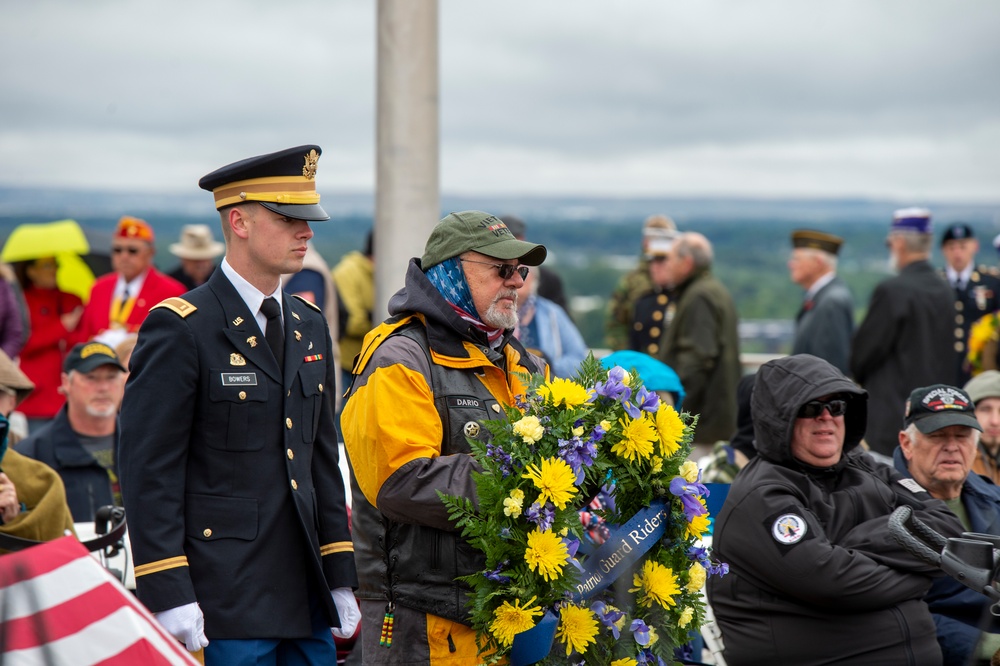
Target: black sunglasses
814,408
118,249
506,271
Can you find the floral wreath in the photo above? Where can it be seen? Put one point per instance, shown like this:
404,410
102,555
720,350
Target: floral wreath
603,443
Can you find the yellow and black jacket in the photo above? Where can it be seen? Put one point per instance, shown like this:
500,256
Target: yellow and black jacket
424,381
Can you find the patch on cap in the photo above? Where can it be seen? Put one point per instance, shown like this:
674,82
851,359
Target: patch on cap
943,398
789,528
938,406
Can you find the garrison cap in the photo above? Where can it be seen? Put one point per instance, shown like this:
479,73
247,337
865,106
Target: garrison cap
816,240
284,182
957,231
912,219
133,227
480,232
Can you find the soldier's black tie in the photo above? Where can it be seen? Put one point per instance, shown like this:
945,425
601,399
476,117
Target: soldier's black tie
273,333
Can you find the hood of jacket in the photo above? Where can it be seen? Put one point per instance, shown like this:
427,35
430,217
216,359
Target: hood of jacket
781,388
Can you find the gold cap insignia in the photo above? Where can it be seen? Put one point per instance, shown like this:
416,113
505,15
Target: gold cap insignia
252,341
312,159
298,336
237,321
237,359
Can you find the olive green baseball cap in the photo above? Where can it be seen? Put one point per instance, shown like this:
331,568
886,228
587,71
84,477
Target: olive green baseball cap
480,232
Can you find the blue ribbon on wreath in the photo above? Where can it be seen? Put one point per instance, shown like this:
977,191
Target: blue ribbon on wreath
625,546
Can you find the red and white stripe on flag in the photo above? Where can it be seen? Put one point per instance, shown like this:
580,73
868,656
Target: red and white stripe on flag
58,606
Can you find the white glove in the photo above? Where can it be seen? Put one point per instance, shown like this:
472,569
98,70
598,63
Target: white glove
185,623
347,609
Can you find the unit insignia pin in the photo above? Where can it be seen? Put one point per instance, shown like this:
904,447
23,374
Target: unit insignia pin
252,341
298,336
237,321
237,359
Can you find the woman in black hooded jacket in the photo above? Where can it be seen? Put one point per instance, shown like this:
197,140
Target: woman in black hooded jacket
815,577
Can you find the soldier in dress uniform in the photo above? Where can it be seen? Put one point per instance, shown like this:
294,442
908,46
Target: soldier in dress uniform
654,309
229,457
634,285
825,322
977,292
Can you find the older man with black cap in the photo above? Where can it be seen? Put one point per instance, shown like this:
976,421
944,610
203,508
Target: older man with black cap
825,322
82,441
977,293
937,447
229,457
444,362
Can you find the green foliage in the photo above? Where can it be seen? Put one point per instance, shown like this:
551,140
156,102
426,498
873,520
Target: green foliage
563,442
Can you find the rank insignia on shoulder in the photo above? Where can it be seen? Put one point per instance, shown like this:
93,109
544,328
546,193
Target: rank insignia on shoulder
237,321
252,341
307,302
176,305
237,359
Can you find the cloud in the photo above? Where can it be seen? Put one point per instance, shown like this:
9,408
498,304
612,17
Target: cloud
770,97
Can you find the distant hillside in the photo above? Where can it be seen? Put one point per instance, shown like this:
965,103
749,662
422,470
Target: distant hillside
591,241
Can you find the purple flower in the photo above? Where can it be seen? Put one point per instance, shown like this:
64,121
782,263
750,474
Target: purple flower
615,387
608,616
713,568
504,532
647,400
689,494
501,457
496,576
597,434
640,632
543,516
577,454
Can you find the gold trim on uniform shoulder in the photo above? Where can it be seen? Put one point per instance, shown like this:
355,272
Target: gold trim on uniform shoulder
177,305
161,565
307,302
336,547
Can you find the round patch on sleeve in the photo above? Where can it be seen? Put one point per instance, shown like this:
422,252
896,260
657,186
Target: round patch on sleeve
788,529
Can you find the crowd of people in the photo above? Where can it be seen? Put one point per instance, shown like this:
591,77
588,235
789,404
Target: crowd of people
208,402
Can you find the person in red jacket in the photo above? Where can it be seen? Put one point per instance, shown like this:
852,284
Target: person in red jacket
120,301
54,316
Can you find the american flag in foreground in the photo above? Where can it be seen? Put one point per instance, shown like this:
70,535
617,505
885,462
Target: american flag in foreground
59,606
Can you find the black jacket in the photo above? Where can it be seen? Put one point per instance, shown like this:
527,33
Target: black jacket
905,341
88,483
229,468
825,324
815,577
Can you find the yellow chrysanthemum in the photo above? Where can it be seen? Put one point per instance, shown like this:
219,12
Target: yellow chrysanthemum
624,661
696,577
546,553
577,628
699,524
638,438
605,425
511,619
564,392
578,432
529,429
657,464
513,504
686,616
653,637
670,428
656,583
555,479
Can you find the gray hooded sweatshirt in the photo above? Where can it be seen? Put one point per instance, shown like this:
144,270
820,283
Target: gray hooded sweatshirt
815,577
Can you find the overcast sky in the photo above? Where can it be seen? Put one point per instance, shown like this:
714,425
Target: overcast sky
892,99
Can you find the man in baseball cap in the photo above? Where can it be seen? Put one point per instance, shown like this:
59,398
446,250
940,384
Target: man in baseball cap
81,442
445,361
936,449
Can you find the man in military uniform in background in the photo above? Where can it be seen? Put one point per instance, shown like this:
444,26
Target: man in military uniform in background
977,293
906,336
229,457
654,309
825,322
622,317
